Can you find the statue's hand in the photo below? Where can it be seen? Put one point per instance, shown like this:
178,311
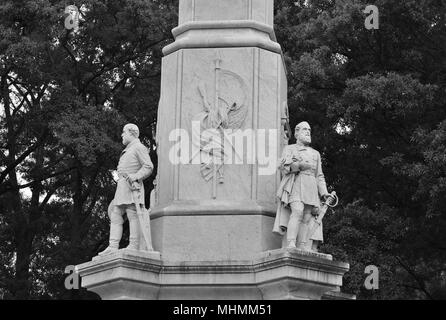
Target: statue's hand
131,177
295,167
327,198
304,165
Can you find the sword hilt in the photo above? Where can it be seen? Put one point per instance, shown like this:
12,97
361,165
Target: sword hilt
332,197
134,185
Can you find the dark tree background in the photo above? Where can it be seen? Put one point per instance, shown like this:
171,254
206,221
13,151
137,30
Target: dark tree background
376,100
65,96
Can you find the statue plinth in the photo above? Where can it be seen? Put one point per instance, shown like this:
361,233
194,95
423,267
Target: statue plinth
277,274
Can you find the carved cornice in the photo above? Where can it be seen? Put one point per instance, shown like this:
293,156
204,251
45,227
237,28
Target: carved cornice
222,34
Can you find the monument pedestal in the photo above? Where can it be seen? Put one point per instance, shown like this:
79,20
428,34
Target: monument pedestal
272,275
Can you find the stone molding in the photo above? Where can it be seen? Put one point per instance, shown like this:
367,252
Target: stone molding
223,34
276,274
213,207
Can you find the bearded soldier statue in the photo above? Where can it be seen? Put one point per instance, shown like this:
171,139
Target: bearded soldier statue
300,192
134,166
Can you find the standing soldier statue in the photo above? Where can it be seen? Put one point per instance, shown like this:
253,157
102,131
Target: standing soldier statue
299,192
134,166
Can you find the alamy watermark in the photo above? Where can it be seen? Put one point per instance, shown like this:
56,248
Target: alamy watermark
72,18
72,281
225,146
372,280
372,20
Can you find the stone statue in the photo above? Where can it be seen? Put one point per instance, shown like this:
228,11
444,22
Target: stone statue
134,166
299,192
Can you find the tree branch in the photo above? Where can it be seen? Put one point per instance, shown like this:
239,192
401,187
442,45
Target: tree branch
30,184
22,157
50,193
418,280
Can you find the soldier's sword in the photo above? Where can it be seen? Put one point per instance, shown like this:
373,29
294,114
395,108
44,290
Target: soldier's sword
328,203
144,219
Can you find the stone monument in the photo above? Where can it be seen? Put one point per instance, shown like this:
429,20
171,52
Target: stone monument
222,79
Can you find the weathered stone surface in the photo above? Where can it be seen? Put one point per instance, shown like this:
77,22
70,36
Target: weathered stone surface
217,10
125,274
278,274
222,24
336,295
213,235
244,191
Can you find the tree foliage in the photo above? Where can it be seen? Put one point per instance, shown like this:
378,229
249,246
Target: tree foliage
65,95
375,100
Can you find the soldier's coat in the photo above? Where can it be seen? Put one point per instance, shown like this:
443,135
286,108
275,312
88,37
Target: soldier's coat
135,160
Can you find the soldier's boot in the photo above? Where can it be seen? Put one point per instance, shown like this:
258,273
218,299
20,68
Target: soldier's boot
314,246
309,245
302,236
134,231
284,241
291,243
293,225
115,237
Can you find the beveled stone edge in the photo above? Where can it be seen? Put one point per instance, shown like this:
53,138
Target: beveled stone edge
225,24
329,266
101,285
122,258
246,273
218,43
335,295
320,255
153,255
281,258
211,208
239,40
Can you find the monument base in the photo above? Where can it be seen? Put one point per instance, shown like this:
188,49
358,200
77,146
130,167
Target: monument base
277,274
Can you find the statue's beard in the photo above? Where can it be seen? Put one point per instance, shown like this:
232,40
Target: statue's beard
305,140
